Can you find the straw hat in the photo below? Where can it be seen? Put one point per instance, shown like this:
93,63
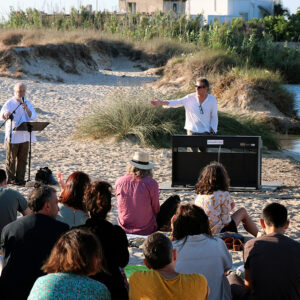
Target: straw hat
141,160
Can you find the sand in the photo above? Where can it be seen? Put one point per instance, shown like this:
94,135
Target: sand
63,104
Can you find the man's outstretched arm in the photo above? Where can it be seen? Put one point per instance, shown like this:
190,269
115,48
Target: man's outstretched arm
157,102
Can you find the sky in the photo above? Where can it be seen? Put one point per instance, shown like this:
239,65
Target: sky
110,5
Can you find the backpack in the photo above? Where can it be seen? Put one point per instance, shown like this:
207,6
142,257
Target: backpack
44,175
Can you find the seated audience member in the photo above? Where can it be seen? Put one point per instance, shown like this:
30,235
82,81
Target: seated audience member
97,199
272,262
11,202
199,252
27,242
75,256
137,192
213,196
163,282
71,208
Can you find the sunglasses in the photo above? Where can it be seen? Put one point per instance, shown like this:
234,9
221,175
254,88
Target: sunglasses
200,86
201,109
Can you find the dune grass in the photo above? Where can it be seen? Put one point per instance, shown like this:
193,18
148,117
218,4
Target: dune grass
123,115
270,85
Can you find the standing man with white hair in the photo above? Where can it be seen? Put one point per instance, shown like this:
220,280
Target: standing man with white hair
18,110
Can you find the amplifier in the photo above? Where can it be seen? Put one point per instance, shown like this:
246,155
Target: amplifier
240,155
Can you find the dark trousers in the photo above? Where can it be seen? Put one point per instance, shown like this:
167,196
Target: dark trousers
202,148
16,158
238,289
167,211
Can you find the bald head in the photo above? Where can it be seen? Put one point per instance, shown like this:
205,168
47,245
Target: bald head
19,90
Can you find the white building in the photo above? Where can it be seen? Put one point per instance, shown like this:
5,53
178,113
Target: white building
226,10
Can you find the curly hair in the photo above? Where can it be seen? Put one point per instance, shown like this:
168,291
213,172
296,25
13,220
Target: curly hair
189,219
78,251
97,199
72,194
212,178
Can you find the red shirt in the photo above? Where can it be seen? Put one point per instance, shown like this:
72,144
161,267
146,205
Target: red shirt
138,204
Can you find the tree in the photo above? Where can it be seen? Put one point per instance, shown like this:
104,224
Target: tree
279,10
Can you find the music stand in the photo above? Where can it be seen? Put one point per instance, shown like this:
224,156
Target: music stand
31,126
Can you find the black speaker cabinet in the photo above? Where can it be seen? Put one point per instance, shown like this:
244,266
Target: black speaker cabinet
241,156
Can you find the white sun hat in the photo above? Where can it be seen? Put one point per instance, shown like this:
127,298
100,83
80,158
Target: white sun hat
141,160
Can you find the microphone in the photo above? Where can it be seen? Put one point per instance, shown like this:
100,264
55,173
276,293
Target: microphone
23,100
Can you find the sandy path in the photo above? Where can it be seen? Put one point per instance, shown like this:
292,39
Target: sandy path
63,104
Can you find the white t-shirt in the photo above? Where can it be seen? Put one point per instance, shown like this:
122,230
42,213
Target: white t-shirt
20,116
195,120
207,256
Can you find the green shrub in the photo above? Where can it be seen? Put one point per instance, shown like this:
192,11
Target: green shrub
234,125
124,114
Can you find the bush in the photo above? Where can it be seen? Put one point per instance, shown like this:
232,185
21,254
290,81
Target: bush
233,125
122,115
125,114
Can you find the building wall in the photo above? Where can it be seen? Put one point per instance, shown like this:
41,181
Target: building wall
207,7
225,10
169,5
251,7
142,6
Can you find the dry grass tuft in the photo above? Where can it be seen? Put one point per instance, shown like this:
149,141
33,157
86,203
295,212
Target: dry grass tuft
183,70
254,87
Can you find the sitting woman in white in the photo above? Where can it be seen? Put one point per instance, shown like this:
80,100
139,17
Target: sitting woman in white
199,252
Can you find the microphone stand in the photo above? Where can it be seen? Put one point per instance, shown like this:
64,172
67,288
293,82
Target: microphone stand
11,117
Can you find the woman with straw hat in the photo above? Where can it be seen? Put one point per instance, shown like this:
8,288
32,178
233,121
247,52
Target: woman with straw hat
137,194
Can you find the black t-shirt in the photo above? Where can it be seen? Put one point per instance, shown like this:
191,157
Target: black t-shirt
114,243
274,264
26,243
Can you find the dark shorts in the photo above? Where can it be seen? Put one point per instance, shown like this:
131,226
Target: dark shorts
231,227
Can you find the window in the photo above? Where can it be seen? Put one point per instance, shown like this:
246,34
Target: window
132,7
244,15
175,7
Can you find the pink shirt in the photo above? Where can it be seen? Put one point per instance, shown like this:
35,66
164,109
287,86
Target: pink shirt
138,204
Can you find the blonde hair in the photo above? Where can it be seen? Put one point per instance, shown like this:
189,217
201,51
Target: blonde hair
139,173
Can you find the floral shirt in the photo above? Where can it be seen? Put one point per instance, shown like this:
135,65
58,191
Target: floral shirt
217,206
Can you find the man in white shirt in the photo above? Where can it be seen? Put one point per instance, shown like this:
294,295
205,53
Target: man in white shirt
17,142
201,113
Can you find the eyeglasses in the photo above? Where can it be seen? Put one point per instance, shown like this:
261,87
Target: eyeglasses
200,86
201,109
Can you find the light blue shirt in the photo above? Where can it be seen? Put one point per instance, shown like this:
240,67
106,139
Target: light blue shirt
207,256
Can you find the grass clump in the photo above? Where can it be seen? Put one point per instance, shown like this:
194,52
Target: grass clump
233,125
125,114
209,63
166,46
267,84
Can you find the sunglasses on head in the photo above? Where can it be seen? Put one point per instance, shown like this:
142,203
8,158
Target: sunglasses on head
200,86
